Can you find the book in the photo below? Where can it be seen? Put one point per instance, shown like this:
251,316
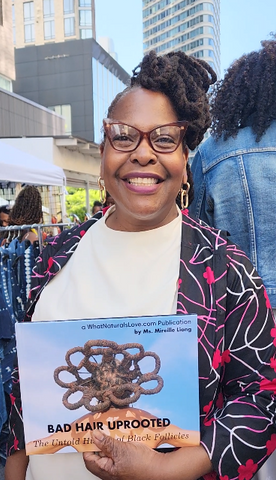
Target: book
135,379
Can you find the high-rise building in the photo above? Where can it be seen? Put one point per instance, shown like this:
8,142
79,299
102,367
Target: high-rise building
76,79
7,70
38,22
192,26
63,68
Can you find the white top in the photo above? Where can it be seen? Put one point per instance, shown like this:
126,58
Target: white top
141,279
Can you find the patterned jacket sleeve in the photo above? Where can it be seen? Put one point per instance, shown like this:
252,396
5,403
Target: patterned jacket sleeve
16,433
238,431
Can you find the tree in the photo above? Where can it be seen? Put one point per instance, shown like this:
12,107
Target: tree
76,201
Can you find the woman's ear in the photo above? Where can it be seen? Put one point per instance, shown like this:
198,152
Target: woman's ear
185,158
186,154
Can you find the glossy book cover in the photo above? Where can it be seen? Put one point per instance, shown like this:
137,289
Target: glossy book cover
134,378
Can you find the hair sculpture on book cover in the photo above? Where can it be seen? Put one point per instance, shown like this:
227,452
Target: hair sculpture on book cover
107,376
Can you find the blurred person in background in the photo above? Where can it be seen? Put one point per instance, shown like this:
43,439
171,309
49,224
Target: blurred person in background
109,200
97,207
4,220
27,210
234,170
4,215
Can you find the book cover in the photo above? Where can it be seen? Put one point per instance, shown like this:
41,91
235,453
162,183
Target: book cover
135,379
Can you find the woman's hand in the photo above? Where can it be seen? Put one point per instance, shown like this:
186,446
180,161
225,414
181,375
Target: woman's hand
119,460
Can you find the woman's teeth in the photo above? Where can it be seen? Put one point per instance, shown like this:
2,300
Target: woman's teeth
142,181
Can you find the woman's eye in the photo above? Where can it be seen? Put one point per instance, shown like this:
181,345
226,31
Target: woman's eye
164,139
122,139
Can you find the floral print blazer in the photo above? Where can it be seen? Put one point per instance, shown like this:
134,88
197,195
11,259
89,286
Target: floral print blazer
236,341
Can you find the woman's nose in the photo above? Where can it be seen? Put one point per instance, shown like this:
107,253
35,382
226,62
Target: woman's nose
144,153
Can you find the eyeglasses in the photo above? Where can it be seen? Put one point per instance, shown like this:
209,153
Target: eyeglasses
162,139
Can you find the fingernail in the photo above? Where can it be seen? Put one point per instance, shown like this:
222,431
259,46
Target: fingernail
98,435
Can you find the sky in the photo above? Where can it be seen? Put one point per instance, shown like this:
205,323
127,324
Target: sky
244,23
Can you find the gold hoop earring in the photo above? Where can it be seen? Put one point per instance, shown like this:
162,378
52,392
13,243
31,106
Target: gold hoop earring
102,190
184,197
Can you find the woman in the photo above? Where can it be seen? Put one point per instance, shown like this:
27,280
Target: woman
4,215
97,207
27,210
150,259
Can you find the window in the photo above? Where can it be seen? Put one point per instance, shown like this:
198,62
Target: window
86,33
29,28
68,6
29,33
13,25
85,18
69,27
28,11
5,83
49,29
105,87
64,111
1,12
85,3
48,8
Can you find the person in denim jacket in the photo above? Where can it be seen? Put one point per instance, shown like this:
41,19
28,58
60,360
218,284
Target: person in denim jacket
234,170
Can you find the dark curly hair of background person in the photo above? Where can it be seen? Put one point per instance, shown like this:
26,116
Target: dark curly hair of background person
185,81
247,94
27,208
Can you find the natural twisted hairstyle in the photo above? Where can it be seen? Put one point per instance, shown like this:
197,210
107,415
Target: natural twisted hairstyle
247,94
27,208
185,80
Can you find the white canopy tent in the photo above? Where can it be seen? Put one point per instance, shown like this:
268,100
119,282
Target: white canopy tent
21,167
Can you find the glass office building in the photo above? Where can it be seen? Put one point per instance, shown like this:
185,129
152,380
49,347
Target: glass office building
76,79
106,85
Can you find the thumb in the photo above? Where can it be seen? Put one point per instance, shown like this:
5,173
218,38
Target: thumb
106,444
102,461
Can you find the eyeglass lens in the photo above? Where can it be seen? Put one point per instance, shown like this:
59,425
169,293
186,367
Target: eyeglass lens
162,139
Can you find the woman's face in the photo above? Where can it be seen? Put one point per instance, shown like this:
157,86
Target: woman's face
143,183
4,219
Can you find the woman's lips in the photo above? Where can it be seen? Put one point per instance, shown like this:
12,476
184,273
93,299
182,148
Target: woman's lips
142,184
142,181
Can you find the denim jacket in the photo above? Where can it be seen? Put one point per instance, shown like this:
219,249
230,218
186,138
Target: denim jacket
235,190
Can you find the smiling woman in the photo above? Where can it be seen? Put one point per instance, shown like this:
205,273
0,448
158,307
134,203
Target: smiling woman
151,258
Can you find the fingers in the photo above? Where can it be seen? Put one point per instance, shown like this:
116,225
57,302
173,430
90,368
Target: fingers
119,460
98,465
107,445
101,462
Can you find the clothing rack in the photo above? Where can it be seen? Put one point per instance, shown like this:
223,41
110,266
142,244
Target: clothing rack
38,226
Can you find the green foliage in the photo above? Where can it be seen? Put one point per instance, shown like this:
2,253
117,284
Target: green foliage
76,201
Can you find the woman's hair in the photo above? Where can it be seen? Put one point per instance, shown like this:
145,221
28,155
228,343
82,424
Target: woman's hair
185,81
27,208
247,94
5,209
97,203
